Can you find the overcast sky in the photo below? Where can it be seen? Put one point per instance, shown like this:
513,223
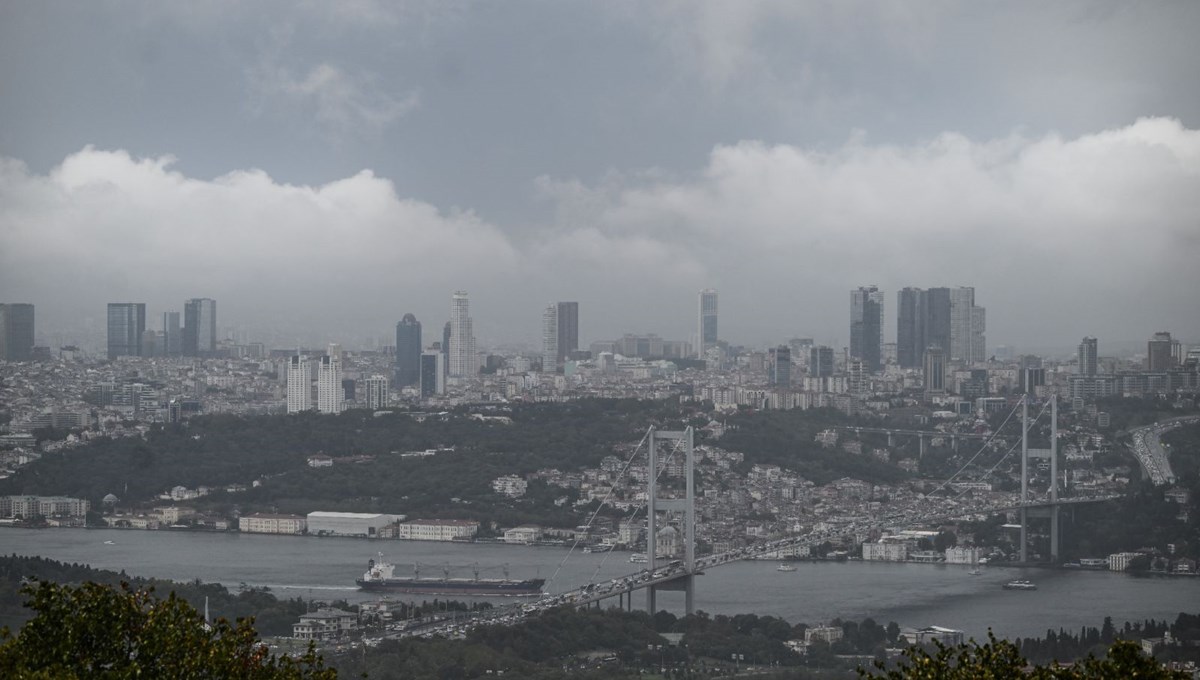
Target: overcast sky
321,168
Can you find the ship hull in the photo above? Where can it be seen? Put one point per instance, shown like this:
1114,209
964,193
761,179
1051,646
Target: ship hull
466,588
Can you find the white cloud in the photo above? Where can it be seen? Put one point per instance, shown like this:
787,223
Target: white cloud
1061,237
340,101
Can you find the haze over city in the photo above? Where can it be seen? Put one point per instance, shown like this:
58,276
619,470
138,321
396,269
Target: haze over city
322,169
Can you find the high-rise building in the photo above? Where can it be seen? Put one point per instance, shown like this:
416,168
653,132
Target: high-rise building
331,398
820,362
568,330
446,346
967,326
550,339
433,374
126,324
937,318
935,370
707,325
199,327
16,331
1087,356
462,357
172,344
779,367
1161,352
299,384
866,326
408,351
377,392
910,327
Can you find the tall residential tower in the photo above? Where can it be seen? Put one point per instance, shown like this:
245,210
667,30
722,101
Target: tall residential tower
462,338
707,322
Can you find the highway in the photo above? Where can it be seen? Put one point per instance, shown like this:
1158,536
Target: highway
1147,447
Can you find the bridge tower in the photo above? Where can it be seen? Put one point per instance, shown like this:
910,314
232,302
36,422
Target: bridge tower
1052,510
686,505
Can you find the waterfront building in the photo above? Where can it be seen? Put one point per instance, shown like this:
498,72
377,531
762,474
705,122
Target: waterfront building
199,327
462,338
866,326
331,397
377,392
16,331
707,322
408,352
322,523
126,324
299,384
43,506
266,523
437,529
885,551
325,624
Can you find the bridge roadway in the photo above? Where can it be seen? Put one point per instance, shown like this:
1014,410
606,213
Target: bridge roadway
1148,449
664,575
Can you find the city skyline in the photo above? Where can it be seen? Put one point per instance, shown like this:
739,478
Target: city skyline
778,175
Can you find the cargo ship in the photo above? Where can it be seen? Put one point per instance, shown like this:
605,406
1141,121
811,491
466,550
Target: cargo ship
380,576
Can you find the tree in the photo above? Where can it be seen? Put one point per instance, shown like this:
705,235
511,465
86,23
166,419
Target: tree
95,631
1001,659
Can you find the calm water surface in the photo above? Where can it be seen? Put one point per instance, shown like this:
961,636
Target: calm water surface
911,594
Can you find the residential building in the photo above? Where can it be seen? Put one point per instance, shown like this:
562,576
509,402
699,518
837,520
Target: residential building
299,384
826,634
200,327
331,398
377,392
707,322
408,352
463,361
126,324
889,551
16,331
866,326
43,506
325,624
512,486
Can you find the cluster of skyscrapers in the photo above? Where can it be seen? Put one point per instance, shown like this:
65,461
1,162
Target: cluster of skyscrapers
129,337
944,319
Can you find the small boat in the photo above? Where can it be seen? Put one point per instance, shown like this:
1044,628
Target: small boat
109,543
786,567
1020,584
639,558
975,572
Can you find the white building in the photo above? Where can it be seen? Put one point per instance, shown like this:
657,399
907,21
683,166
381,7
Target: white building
299,385
436,529
510,485
377,392
348,523
962,555
331,397
523,534
265,523
462,338
1120,561
44,506
325,624
884,552
828,634
706,330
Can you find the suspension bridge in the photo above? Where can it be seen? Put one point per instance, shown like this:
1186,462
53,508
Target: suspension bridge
680,573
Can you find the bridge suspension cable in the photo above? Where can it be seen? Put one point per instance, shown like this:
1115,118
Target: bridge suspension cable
983,447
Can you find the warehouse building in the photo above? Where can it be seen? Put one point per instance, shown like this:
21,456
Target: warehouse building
349,523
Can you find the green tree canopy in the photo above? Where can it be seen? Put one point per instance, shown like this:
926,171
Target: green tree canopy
96,631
